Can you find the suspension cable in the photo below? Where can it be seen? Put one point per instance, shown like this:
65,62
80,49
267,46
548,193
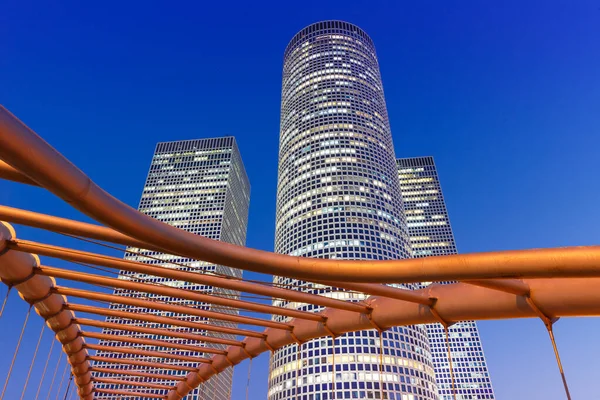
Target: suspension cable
450,359
62,380
381,363
37,346
12,364
5,300
68,387
54,376
231,385
298,368
558,362
45,368
248,381
128,249
148,279
333,388
549,323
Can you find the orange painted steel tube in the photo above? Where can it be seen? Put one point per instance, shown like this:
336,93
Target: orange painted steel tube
112,371
130,301
131,383
568,262
383,290
211,280
25,151
151,342
514,286
9,173
70,227
157,319
147,353
150,331
102,233
172,292
126,394
147,364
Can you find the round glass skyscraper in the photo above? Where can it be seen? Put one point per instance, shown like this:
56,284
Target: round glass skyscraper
339,197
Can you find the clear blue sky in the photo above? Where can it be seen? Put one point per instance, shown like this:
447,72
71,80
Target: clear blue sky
505,95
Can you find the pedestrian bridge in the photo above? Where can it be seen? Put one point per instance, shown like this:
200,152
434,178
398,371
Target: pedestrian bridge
543,283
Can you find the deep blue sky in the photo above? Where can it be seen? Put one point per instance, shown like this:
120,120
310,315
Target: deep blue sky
505,95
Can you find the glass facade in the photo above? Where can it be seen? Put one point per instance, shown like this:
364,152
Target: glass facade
199,186
431,235
339,197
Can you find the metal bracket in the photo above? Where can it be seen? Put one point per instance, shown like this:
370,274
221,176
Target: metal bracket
437,316
298,341
5,249
246,351
19,281
331,333
186,384
370,317
34,301
268,345
202,380
228,360
62,308
549,322
213,368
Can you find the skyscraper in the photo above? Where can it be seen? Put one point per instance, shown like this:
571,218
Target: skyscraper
431,235
199,186
339,197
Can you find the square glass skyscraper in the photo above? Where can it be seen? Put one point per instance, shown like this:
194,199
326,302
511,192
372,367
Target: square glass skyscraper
199,186
431,235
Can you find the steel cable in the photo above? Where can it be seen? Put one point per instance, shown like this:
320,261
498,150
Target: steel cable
450,360
248,381
44,371
4,302
68,387
333,388
54,376
37,346
381,364
12,364
62,380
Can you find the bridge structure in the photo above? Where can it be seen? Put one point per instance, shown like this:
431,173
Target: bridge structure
547,284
